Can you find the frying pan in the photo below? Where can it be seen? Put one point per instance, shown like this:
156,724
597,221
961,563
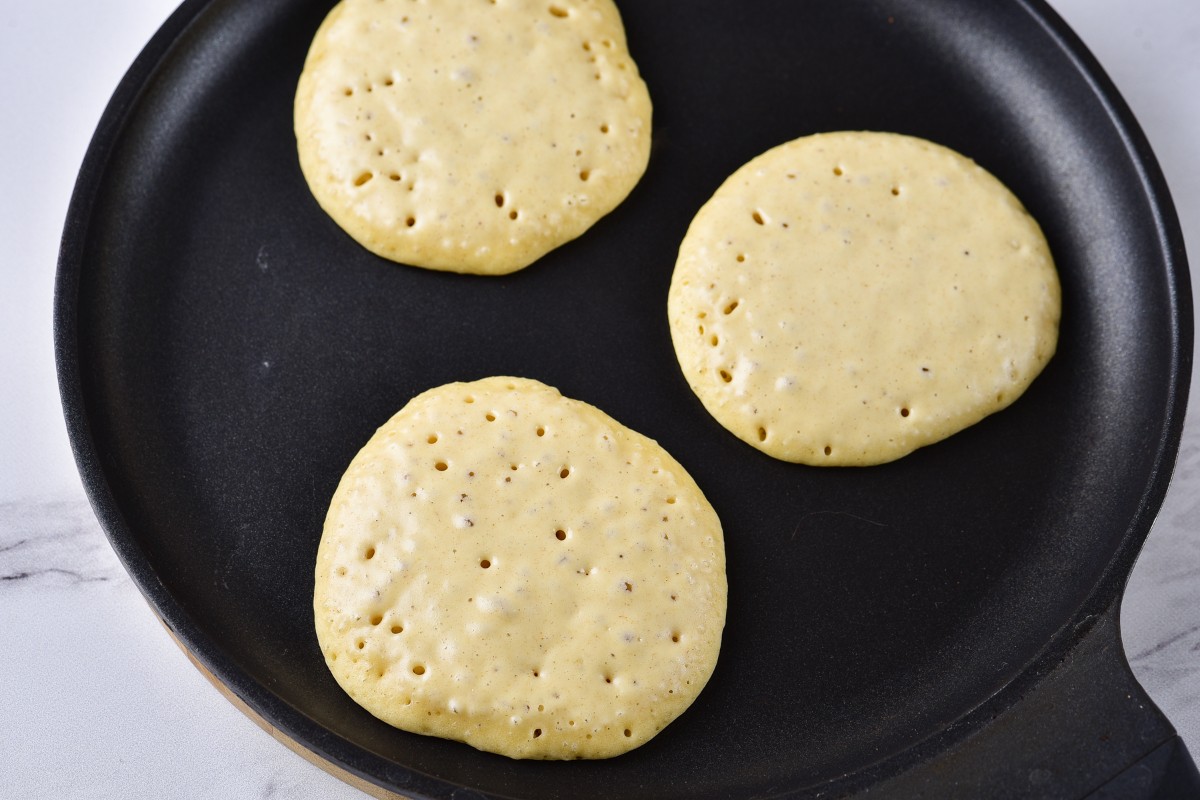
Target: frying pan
945,625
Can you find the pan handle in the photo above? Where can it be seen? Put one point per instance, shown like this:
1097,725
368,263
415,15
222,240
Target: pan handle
1082,729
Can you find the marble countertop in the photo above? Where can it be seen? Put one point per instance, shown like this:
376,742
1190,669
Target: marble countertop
99,702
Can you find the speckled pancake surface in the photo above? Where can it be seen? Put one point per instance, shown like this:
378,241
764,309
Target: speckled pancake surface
846,298
516,570
471,135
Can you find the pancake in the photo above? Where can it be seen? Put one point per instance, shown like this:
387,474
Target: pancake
468,135
513,569
846,298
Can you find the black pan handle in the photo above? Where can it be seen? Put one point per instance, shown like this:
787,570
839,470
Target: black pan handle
1084,730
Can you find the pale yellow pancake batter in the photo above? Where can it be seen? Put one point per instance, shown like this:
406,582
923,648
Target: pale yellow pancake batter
516,570
846,298
471,135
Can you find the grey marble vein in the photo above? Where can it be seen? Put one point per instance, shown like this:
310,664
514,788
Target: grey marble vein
54,543
1183,636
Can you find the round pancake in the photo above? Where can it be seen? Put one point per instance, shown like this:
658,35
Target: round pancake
516,570
846,298
468,135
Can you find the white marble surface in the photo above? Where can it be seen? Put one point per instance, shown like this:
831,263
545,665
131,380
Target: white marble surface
98,701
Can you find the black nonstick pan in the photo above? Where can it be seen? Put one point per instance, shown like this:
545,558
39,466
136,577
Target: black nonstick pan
942,626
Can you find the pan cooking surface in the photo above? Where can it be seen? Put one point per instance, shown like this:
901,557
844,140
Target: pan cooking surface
225,350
